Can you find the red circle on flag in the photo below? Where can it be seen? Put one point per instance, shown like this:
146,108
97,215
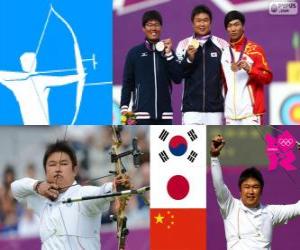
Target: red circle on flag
178,187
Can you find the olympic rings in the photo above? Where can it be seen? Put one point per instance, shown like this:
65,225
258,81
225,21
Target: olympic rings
286,142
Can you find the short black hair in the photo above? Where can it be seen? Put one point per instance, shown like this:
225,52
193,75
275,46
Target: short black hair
233,15
201,9
151,15
251,173
60,146
9,170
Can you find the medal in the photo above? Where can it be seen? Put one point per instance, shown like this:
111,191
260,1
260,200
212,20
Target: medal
160,46
195,43
234,67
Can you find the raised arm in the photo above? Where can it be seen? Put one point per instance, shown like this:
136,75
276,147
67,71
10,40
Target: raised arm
10,79
96,206
186,56
27,187
284,213
55,81
224,197
173,64
23,188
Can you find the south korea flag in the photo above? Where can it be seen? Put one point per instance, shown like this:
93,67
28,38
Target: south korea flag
178,166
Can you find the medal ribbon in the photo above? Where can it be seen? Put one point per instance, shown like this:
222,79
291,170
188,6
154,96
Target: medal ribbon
241,54
202,38
150,46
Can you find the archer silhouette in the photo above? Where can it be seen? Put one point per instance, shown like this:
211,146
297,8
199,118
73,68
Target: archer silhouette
31,89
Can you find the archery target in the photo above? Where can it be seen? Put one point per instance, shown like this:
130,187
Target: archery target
284,104
290,110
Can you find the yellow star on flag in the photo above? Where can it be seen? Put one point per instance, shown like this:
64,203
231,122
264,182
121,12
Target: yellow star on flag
159,219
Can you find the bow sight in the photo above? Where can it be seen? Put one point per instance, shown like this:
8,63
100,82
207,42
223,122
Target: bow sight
135,152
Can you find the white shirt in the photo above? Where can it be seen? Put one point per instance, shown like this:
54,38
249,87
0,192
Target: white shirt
246,228
202,118
239,99
66,226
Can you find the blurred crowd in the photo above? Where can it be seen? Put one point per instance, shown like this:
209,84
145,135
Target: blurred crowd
93,147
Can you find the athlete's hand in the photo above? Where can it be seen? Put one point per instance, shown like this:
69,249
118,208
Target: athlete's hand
121,182
168,45
244,65
217,144
48,190
191,51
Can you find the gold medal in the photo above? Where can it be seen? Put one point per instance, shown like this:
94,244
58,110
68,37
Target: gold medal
195,43
234,67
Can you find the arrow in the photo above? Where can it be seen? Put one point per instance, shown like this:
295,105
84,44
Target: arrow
116,194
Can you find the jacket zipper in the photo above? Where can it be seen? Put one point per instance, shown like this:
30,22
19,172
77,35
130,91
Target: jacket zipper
155,83
234,93
204,87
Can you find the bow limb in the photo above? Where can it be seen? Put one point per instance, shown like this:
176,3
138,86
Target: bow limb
80,84
79,65
121,202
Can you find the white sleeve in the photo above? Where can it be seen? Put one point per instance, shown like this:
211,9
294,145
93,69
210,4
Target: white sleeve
220,43
283,213
180,51
23,188
224,197
23,191
96,206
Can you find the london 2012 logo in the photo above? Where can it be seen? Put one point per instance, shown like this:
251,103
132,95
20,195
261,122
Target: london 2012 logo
280,151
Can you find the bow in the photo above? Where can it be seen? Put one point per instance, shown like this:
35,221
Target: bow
79,65
78,58
121,202
122,194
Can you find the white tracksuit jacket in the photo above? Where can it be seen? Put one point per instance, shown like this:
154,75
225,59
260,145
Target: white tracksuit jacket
66,226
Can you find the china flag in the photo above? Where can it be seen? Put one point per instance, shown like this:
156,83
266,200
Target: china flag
178,188
178,229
